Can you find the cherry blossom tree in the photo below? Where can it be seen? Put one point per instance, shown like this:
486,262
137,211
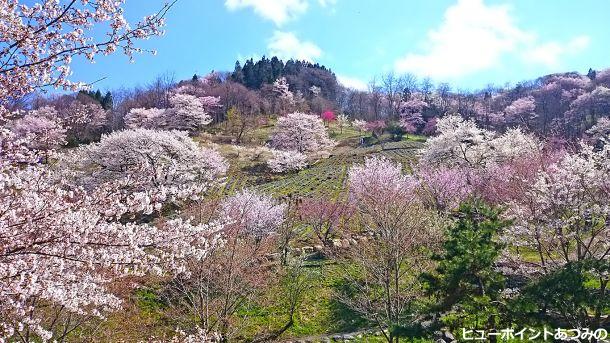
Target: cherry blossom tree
379,272
304,133
600,132
521,111
603,77
411,114
257,214
462,143
188,112
286,161
377,176
210,291
141,159
594,104
326,217
145,118
285,98
342,121
376,127
84,122
42,128
443,188
359,124
564,216
52,280
40,40
459,142
430,127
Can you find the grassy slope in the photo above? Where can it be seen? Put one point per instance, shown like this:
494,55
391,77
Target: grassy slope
320,313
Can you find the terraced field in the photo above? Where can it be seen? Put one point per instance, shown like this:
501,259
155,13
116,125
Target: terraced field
327,177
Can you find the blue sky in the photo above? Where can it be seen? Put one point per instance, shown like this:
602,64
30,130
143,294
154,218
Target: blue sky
468,43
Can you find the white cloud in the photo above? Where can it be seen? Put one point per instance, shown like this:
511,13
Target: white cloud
278,11
474,37
286,45
550,53
325,3
352,82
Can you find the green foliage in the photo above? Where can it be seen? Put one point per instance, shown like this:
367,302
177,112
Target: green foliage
105,101
396,131
576,293
301,75
465,280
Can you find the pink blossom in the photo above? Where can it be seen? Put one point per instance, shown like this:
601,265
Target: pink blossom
328,116
254,213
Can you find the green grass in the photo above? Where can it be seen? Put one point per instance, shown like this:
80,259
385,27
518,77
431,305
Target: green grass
319,314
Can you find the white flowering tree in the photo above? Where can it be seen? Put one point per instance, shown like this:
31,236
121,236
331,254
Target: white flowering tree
188,112
141,159
145,118
62,248
304,133
462,143
286,161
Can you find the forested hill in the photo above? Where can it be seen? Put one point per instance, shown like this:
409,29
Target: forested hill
301,75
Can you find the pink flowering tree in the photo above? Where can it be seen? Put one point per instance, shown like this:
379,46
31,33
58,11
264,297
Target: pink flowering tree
430,127
443,188
42,128
603,77
325,217
41,39
168,161
84,122
328,116
387,206
145,118
304,133
521,111
411,115
376,127
593,104
211,291
51,281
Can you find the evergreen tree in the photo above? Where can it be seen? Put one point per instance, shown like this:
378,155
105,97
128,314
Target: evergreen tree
465,281
107,101
195,78
238,74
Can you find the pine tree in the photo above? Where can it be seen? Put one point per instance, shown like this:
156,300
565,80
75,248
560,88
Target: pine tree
465,280
238,74
107,101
